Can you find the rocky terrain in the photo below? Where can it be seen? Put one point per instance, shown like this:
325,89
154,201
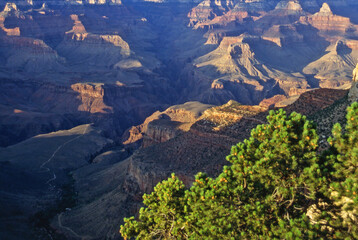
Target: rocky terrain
284,48
97,57
29,186
108,192
102,99
162,126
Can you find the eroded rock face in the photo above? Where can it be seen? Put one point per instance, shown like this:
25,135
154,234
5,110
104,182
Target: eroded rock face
232,70
334,68
207,10
327,22
203,148
163,126
30,108
251,50
30,55
353,92
67,75
126,181
9,7
271,37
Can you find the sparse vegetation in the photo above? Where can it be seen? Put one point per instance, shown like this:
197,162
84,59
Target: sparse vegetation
68,199
278,186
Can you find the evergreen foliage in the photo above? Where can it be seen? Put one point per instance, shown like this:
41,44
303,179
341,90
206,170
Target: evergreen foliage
277,187
344,188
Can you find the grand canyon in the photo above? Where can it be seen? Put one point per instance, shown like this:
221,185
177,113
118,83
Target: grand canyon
102,99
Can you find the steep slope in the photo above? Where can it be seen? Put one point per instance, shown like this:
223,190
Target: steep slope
162,126
30,55
57,74
232,71
32,172
256,50
108,192
81,47
32,107
334,68
285,12
245,50
329,24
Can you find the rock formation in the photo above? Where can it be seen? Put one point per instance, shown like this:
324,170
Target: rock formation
328,23
232,70
8,9
334,68
353,92
162,126
202,148
286,12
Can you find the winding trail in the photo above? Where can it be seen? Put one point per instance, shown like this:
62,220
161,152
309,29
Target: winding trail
56,151
43,168
67,228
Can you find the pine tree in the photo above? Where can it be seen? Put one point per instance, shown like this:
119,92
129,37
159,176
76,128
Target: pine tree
274,180
344,189
163,216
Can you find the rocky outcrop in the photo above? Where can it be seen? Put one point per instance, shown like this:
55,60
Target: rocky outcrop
98,50
30,55
334,68
114,66
353,92
316,100
286,12
274,101
232,71
258,6
126,181
162,126
290,7
283,35
31,108
207,10
228,19
328,23
8,9
104,46
230,113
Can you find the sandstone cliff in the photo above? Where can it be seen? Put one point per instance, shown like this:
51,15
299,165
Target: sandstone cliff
329,24
162,126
